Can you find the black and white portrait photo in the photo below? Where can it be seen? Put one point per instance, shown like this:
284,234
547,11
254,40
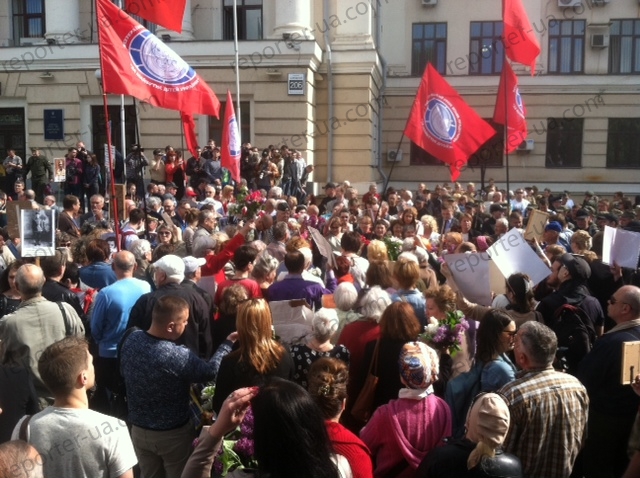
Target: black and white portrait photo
37,232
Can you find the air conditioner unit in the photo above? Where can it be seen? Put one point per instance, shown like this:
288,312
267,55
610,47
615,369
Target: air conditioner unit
599,40
600,2
526,145
431,3
394,155
569,3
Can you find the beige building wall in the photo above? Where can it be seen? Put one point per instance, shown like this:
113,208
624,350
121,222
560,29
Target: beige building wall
369,70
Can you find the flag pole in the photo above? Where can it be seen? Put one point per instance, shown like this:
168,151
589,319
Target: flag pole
114,199
123,129
237,52
384,190
506,133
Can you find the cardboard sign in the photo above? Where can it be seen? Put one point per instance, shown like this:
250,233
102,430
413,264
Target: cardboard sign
630,362
13,215
535,225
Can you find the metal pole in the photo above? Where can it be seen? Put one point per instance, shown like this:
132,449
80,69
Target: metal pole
123,138
235,45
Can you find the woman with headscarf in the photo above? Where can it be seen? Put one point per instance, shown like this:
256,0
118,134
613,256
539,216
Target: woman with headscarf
479,453
402,432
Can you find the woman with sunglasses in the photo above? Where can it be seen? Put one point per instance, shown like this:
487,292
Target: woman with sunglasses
171,236
495,338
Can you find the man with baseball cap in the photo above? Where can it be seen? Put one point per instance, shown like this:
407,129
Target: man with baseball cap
168,274
570,274
193,274
330,195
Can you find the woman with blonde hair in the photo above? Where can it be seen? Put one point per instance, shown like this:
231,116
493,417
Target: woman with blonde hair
377,251
581,245
429,237
258,356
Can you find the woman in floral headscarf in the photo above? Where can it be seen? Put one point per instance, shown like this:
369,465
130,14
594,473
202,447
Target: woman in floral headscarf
402,432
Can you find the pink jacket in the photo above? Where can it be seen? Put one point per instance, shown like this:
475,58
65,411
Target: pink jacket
406,429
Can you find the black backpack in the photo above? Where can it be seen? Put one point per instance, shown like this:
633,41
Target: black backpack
576,335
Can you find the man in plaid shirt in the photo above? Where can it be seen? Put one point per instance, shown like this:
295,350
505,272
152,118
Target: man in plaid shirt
548,408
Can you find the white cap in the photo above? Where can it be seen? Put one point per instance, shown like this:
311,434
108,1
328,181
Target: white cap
171,265
191,264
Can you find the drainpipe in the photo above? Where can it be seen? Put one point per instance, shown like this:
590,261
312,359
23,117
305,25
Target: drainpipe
382,92
327,46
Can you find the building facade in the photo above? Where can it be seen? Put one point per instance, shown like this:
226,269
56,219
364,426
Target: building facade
336,80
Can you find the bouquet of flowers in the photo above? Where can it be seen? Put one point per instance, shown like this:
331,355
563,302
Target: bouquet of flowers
237,450
394,247
247,204
445,334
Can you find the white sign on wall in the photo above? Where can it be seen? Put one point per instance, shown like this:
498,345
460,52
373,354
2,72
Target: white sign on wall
295,83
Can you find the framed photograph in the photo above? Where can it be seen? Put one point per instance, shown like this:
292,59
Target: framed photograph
37,232
59,170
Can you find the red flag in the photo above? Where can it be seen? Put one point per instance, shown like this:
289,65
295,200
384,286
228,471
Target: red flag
134,62
230,153
189,127
510,110
444,125
166,13
519,38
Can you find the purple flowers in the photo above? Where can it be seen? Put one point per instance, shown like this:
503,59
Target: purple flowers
449,332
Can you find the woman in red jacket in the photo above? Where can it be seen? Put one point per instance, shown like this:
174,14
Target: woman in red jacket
328,379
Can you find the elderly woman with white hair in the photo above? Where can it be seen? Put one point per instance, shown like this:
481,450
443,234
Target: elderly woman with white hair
345,298
325,324
264,271
141,250
355,336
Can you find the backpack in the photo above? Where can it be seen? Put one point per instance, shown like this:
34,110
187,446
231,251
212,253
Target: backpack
576,335
459,396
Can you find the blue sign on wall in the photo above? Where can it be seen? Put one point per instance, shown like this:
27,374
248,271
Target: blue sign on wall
53,124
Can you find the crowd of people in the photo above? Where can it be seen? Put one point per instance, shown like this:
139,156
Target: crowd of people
310,316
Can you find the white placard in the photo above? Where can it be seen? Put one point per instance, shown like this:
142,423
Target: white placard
511,253
621,247
471,274
295,83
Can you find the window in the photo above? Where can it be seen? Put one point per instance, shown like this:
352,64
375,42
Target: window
624,47
485,48
564,143
488,155
566,46
12,131
215,125
429,45
623,143
249,19
28,19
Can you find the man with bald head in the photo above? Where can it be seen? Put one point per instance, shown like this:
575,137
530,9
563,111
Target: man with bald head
613,406
34,326
109,322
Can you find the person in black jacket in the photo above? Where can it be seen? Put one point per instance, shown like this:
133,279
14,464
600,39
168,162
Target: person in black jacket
53,290
168,275
478,454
